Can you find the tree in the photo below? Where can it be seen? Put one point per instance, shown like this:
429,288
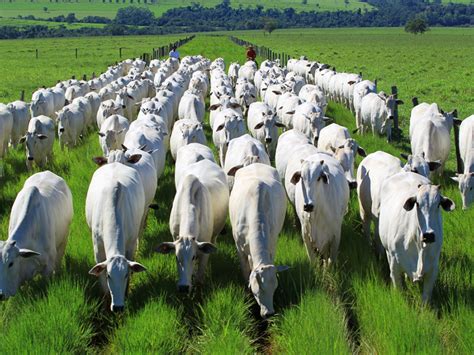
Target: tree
45,9
304,2
269,25
417,25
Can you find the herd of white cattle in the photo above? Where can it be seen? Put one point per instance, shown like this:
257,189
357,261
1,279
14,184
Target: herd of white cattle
134,107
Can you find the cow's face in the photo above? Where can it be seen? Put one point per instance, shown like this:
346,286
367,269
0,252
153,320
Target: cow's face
263,283
311,174
466,186
190,132
187,249
11,256
316,119
419,165
117,271
426,203
345,154
32,141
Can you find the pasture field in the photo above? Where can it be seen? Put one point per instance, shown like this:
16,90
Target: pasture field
351,308
84,8
57,61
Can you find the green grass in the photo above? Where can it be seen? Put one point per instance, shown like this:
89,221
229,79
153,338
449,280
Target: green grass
314,324
350,308
84,8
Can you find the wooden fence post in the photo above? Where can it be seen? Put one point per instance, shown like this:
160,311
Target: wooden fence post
396,128
76,53
84,77
460,165
120,52
22,95
37,54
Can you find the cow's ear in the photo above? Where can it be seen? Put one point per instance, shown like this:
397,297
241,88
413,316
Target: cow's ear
399,102
404,156
22,140
235,105
135,158
361,152
434,165
101,134
447,204
165,248
290,112
98,269
276,92
258,125
100,160
214,107
409,204
296,177
136,267
281,125
234,169
455,178
27,253
206,248
220,127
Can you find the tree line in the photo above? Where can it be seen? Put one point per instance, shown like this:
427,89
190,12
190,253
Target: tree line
196,18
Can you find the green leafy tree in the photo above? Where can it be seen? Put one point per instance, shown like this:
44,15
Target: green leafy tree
269,25
417,25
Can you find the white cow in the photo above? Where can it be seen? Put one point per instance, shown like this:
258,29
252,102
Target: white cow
361,89
186,131
112,133
257,209
191,106
376,111
263,125
233,72
198,215
287,142
42,103
243,151
466,146
71,125
107,108
226,102
337,139
37,233
227,126
309,119
149,136
190,154
411,229
430,134
6,125
39,141
371,174
21,117
321,201
115,205
287,104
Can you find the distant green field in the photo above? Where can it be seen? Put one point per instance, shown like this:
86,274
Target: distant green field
84,8
23,23
350,308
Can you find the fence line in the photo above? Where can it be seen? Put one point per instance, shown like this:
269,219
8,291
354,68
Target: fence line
163,51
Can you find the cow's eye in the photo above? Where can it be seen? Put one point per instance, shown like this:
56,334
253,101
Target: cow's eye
108,276
11,264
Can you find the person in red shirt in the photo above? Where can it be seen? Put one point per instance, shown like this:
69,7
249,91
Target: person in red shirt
251,55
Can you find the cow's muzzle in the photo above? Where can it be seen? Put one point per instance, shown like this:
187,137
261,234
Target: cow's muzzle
308,207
